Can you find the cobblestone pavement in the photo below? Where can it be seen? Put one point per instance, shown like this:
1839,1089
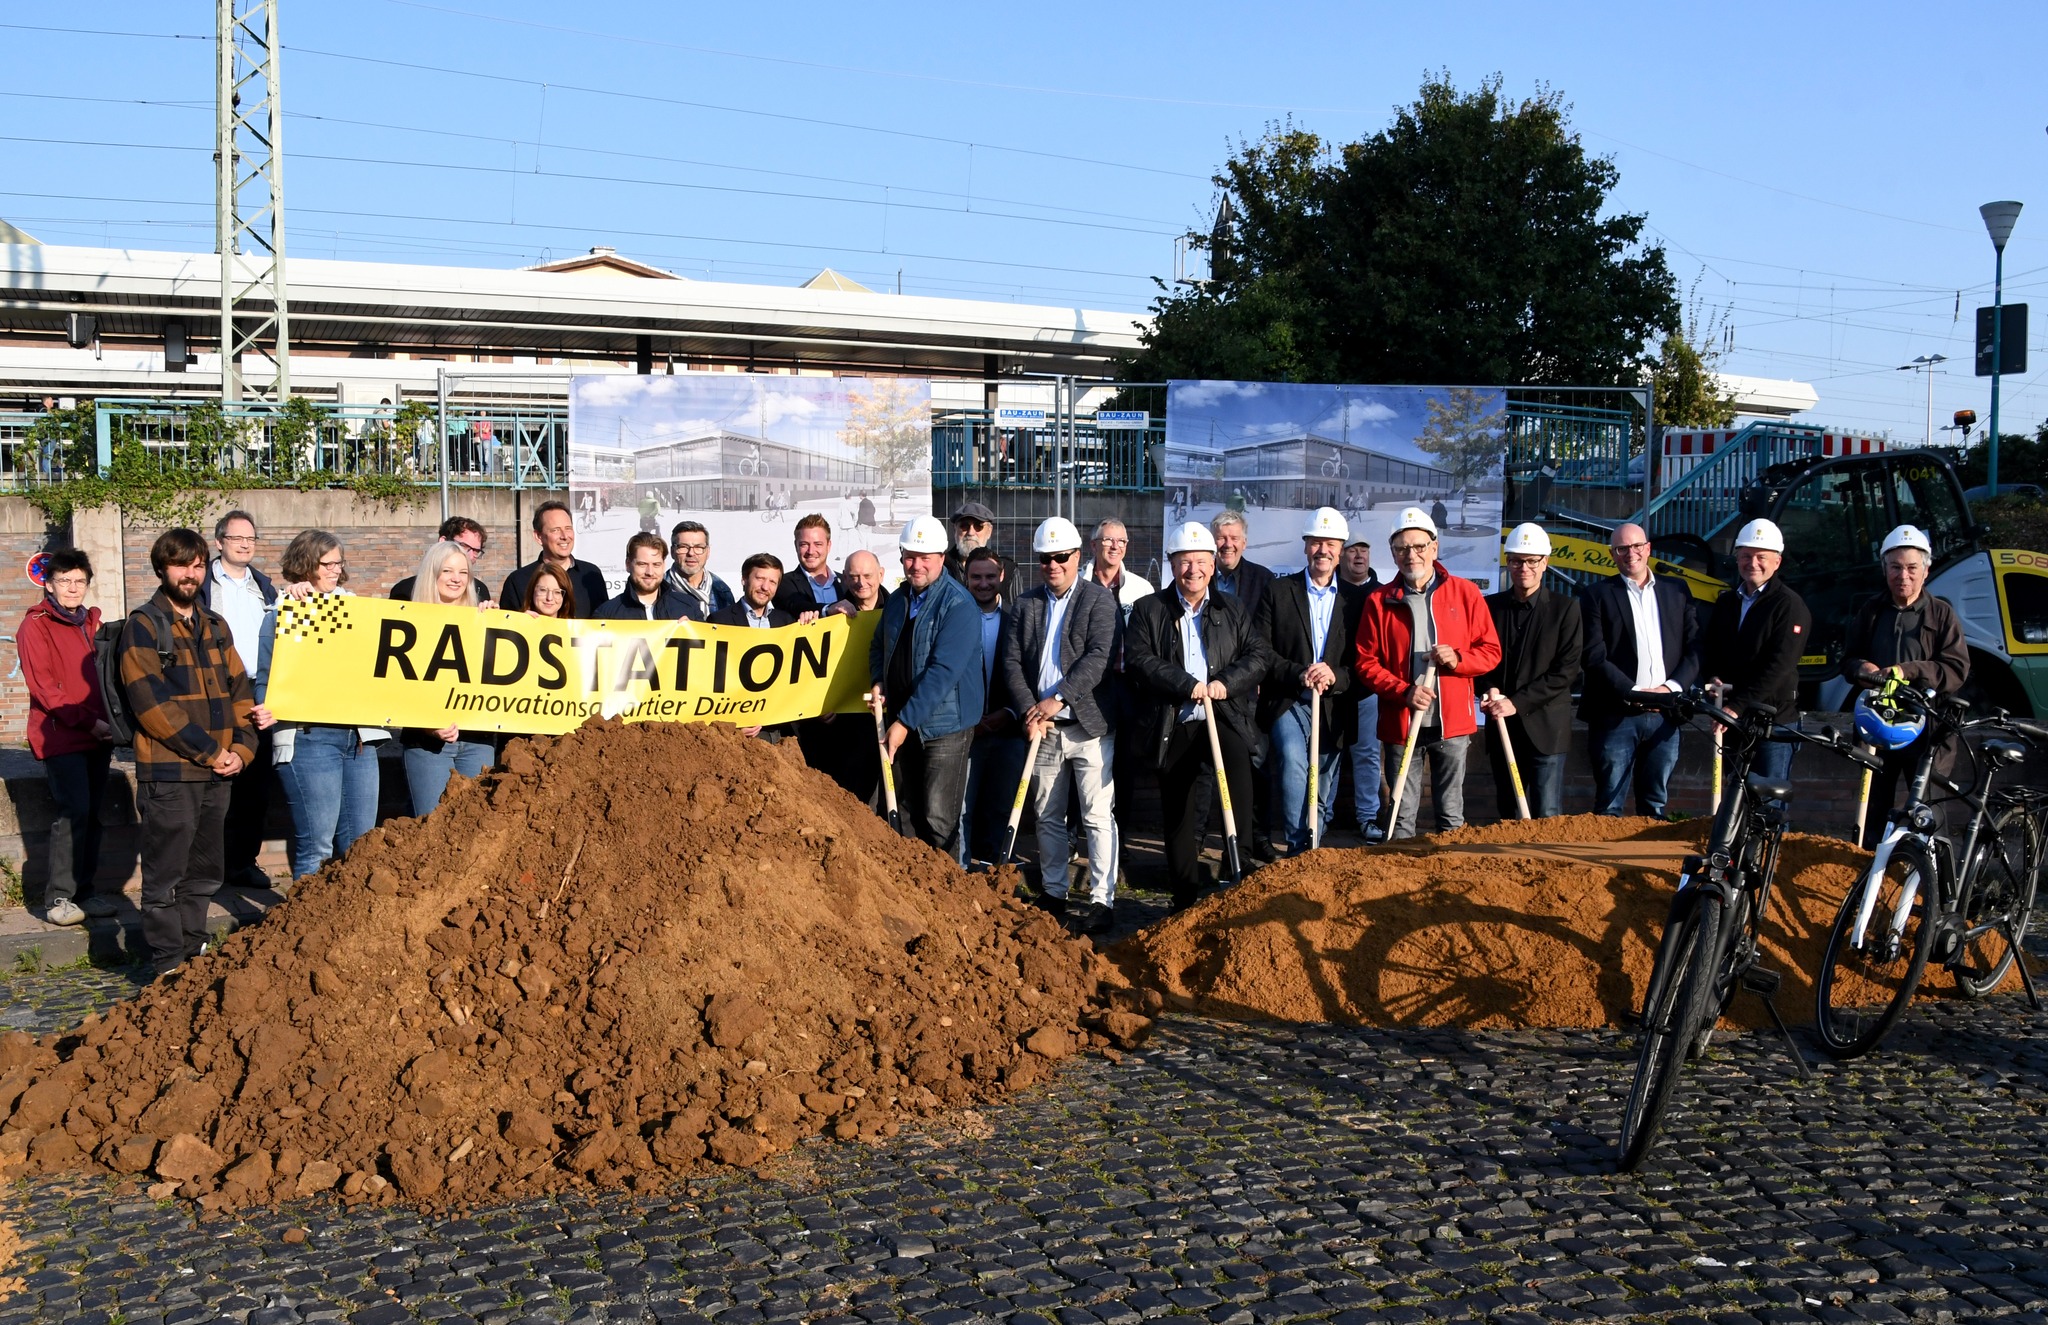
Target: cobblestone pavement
1235,1173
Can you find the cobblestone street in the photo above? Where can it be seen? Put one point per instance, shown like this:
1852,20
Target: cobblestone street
1234,1173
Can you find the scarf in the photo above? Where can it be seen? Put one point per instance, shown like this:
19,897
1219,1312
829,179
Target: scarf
74,619
680,585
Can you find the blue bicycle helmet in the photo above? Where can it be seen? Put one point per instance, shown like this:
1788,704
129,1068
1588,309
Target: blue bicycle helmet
1881,722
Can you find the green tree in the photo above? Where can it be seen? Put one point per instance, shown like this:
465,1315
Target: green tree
1463,431
1466,242
1689,394
892,428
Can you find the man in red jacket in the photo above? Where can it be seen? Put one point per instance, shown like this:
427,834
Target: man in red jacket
1426,623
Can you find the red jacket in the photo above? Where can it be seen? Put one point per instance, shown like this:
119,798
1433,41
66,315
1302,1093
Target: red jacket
1386,643
64,698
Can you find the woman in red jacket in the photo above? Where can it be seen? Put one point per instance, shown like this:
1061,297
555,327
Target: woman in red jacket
67,730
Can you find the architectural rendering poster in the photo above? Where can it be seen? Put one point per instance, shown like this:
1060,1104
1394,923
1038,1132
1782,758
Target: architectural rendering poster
1275,451
747,455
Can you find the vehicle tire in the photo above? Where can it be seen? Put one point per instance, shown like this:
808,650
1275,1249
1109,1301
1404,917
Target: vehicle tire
2004,890
1862,993
1680,989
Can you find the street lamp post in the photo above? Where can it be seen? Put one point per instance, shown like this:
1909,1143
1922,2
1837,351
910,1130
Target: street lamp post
1999,218
1925,363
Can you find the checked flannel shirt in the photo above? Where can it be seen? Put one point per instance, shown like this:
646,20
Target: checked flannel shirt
185,716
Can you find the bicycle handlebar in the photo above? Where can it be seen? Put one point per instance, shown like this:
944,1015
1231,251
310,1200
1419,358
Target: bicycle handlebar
1830,739
1694,702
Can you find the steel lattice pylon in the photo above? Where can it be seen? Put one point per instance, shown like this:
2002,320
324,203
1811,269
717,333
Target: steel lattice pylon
255,314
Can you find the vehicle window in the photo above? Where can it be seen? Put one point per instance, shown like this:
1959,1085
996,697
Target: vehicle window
1834,521
2026,599
1926,496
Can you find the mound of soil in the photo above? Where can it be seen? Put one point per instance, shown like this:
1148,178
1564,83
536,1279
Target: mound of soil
637,952
1550,922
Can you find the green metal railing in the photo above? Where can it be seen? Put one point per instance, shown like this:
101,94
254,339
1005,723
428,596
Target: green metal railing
1708,496
976,448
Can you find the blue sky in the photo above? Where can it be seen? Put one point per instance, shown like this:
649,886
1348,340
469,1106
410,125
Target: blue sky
1386,419
803,411
1816,169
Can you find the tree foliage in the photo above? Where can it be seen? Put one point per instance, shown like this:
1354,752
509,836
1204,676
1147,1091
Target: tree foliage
1689,393
1465,242
1462,430
892,427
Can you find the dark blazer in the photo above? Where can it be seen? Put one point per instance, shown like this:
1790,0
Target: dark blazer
794,594
735,614
1283,623
1947,664
1541,643
1087,636
1610,653
1759,659
1249,584
1156,666
668,606
588,580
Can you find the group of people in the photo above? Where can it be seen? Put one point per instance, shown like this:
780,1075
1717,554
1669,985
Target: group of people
1220,684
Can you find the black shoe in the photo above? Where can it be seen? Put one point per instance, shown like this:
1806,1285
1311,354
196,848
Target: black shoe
1261,851
1053,906
1374,834
1091,918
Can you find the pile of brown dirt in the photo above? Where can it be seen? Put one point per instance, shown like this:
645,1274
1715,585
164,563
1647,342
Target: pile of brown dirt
638,951
1550,922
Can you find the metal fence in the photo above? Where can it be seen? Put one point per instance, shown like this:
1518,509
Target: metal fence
1709,495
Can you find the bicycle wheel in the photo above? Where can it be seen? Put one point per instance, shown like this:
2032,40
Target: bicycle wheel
1863,991
1679,991
2003,894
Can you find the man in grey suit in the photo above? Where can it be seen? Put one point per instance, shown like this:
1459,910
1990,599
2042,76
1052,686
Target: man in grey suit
1055,665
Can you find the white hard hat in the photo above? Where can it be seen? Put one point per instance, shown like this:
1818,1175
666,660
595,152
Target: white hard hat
1761,534
1907,536
1414,517
1190,537
924,534
1528,540
1327,522
1056,535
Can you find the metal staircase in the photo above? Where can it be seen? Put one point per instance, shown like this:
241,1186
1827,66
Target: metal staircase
1707,497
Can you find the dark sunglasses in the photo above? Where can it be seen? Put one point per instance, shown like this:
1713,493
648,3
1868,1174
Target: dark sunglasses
1048,558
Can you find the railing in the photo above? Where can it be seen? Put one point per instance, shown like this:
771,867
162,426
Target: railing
1709,495
1580,444
972,448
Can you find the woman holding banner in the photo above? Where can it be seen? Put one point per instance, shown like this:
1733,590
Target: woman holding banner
329,773
432,757
549,593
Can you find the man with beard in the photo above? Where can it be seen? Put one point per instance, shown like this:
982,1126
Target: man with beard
973,526
926,665
191,700
702,592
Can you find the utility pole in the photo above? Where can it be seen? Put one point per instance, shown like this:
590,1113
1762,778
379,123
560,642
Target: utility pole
248,163
1998,222
1925,363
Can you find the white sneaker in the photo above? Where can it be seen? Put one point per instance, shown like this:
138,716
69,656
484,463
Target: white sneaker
63,911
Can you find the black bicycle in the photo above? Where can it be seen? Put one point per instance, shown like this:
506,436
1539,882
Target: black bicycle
1709,949
1924,899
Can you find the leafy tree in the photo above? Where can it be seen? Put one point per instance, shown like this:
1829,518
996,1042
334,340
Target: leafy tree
2021,459
892,427
1464,435
1688,393
1463,243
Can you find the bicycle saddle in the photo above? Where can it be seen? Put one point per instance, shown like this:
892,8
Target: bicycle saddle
2006,752
1767,789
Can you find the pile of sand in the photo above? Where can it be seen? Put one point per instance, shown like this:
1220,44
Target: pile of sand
637,952
1547,923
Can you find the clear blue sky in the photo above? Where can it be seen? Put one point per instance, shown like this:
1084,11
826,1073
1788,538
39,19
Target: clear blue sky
1817,167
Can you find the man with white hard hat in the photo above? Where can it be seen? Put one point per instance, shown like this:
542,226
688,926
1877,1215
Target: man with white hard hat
926,665
1422,640
1186,644
1642,640
1055,670
1358,581
1311,628
1907,633
1754,640
1529,696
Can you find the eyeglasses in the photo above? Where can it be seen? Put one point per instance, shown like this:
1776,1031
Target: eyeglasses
1518,561
1618,548
475,553
681,548
1048,558
335,564
238,538
1410,549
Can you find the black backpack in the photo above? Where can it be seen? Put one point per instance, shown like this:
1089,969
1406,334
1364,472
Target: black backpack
107,648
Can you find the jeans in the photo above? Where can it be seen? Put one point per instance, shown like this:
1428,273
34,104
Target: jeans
1072,764
1446,759
1542,775
331,782
181,847
1365,762
427,771
931,784
78,788
994,766
1773,759
1290,778
1641,748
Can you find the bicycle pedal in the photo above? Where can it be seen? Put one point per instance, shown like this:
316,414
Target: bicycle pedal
1762,980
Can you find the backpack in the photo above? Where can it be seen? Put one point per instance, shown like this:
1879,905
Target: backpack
107,647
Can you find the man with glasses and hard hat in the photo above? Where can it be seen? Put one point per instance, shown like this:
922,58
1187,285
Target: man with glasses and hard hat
1642,639
1357,581
1055,670
1186,644
1311,627
926,665
1541,640
1421,641
1906,634
1754,639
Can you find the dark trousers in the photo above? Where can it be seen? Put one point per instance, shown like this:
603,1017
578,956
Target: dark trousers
931,783
844,750
1542,775
78,789
1180,779
248,811
182,844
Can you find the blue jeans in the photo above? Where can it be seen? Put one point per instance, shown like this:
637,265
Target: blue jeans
1365,762
1290,775
1642,749
1773,759
427,771
331,783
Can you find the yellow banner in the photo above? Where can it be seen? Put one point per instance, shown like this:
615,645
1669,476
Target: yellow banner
372,662
1584,554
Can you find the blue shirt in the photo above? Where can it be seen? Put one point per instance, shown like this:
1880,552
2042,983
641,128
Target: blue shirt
1194,659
